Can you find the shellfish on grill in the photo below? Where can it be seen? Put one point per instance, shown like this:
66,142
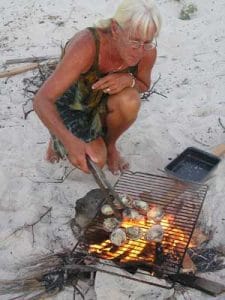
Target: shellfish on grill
155,233
141,205
127,201
110,224
118,237
132,214
107,210
156,213
134,232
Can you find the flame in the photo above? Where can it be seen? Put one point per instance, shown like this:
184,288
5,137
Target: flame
174,241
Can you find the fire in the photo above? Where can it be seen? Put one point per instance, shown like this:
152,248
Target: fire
174,242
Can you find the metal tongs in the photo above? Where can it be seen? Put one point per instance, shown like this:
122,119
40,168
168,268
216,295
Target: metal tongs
107,189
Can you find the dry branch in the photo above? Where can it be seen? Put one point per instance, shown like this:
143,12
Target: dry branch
19,70
152,90
29,60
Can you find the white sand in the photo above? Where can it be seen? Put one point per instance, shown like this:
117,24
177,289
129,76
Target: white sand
192,67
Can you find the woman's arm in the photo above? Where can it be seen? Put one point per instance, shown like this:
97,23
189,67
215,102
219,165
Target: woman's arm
78,58
116,82
145,66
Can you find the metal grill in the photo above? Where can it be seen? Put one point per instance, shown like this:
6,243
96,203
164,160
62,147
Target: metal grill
140,260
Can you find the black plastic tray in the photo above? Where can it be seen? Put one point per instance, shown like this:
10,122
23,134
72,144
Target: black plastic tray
193,165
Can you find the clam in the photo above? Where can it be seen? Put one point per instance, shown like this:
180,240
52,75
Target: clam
156,213
107,210
118,237
127,201
110,224
134,232
141,205
155,233
132,214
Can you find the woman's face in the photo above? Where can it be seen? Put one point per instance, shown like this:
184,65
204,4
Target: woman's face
133,48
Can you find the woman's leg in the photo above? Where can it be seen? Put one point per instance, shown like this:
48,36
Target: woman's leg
123,110
96,149
51,155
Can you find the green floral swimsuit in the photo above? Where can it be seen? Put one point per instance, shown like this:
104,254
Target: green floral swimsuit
81,107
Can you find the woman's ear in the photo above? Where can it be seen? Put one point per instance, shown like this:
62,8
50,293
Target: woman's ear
115,28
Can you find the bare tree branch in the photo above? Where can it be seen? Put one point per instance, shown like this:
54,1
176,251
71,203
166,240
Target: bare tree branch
152,90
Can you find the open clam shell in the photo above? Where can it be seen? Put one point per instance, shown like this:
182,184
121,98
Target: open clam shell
134,232
118,237
127,201
156,213
155,233
107,210
132,214
110,224
141,206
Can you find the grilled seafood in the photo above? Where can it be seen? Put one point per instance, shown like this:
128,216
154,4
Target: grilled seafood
142,206
131,214
155,233
110,224
134,232
107,210
156,213
127,200
118,237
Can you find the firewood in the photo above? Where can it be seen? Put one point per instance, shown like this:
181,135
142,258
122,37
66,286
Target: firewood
19,70
28,60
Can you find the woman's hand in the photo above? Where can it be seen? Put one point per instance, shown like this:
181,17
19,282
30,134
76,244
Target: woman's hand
77,154
113,83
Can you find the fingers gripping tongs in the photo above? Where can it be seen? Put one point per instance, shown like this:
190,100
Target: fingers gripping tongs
107,189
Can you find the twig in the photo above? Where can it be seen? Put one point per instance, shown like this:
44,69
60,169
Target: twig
152,90
29,59
160,94
25,226
221,124
60,180
28,111
76,289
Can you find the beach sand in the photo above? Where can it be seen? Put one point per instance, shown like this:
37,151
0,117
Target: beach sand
191,63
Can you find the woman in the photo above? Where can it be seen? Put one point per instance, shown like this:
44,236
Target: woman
93,95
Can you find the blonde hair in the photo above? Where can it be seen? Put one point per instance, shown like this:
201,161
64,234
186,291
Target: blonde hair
137,14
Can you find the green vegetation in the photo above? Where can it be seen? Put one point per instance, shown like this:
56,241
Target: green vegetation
187,11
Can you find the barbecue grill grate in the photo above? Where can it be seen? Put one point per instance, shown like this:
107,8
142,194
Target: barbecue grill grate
141,260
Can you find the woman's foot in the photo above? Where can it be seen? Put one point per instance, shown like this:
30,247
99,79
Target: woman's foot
115,162
51,156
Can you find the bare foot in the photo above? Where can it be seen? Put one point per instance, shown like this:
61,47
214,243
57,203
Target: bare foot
115,162
51,155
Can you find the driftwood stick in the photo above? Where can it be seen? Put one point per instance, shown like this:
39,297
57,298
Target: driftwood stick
18,70
23,69
29,60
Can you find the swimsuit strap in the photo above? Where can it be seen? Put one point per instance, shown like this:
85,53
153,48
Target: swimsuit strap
97,44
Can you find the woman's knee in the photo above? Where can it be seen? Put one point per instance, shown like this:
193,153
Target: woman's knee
97,151
127,102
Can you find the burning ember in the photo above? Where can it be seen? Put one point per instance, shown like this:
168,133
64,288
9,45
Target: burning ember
146,234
